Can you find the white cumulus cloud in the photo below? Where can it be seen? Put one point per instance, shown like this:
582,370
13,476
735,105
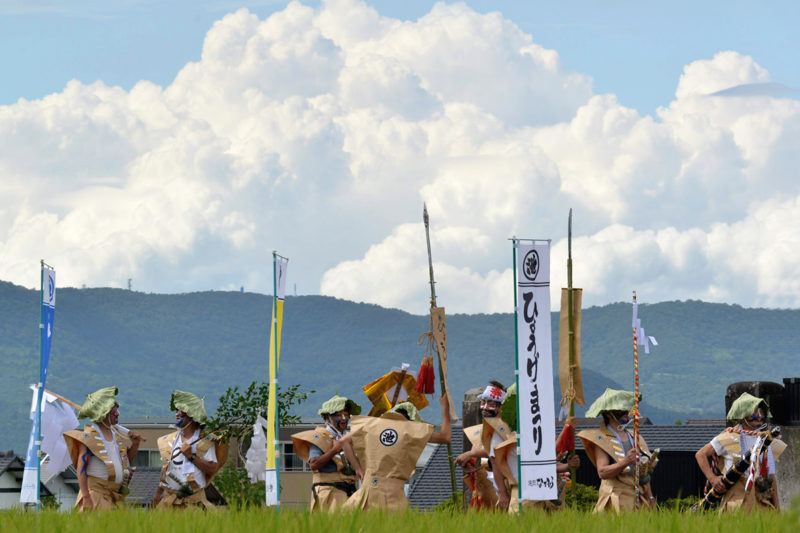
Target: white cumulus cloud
319,132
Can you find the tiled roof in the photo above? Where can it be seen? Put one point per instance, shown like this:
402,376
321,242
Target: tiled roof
430,484
143,485
672,438
11,461
6,458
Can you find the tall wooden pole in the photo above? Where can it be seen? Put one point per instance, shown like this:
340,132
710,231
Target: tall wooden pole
441,374
571,322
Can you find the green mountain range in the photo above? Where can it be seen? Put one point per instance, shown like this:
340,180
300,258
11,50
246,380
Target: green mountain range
150,344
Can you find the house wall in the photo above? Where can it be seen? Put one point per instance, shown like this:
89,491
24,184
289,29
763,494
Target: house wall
295,490
9,491
66,494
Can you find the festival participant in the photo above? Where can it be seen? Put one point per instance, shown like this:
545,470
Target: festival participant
611,450
329,453
388,448
102,452
501,439
486,496
727,448
191,457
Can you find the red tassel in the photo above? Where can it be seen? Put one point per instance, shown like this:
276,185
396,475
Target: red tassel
420,385
425,377
430,380
566,440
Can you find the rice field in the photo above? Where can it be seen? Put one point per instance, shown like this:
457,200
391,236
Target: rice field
251,520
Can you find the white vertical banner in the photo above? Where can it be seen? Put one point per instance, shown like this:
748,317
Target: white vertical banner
536,409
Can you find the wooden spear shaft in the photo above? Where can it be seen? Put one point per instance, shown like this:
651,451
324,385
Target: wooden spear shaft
571,323
441,374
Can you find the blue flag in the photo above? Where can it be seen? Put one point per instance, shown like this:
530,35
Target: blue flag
48,314
29,492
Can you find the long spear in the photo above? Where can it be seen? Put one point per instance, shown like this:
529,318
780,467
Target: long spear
569,356
442,381
570,319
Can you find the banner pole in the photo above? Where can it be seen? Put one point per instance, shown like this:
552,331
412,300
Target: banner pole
274,361
40,391
516,369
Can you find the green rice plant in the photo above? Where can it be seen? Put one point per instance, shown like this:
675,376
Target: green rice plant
288,521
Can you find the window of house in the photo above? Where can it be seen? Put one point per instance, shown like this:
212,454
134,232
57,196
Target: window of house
290,462
147,458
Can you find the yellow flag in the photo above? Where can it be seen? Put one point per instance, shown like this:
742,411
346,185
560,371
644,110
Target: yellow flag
378,392
272,476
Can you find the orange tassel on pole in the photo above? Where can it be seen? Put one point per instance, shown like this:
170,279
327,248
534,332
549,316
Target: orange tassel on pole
425,377
566,440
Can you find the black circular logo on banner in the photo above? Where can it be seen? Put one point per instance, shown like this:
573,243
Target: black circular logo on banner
388,437
530,265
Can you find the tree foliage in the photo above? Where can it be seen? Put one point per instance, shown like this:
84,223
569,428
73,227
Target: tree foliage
233,421
581,497
238,410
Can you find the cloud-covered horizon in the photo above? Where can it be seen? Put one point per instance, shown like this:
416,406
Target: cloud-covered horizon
320,133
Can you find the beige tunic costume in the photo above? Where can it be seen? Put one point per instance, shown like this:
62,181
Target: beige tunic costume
388,448
329,489
616,493
495,427
484,494
736,497
105,493
197,498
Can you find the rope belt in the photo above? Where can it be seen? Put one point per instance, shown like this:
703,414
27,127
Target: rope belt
347,488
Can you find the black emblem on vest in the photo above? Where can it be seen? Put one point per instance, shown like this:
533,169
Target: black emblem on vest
388,437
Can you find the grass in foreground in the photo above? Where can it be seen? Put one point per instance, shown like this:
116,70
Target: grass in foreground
124,521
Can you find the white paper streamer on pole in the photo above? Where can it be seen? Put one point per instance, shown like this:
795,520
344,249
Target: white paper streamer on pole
537,430
642,338
256,457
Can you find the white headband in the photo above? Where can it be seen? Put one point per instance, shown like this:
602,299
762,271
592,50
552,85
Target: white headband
493,394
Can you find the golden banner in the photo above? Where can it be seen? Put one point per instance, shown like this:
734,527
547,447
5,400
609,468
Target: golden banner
563,346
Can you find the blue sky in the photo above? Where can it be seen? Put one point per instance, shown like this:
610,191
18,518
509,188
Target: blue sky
635,50
178,143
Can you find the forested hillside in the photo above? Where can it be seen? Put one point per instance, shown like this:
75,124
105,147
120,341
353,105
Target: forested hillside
149,344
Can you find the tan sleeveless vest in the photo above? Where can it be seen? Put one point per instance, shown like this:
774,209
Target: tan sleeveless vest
606,440
493,425
205,443
93,440
475,434
733,445
322,439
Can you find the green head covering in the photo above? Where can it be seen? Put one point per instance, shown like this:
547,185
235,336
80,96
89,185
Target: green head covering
508,409
336,404
745,405
611,400
410,409
189,404
98,404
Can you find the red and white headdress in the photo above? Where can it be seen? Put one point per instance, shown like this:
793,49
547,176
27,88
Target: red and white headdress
493,394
